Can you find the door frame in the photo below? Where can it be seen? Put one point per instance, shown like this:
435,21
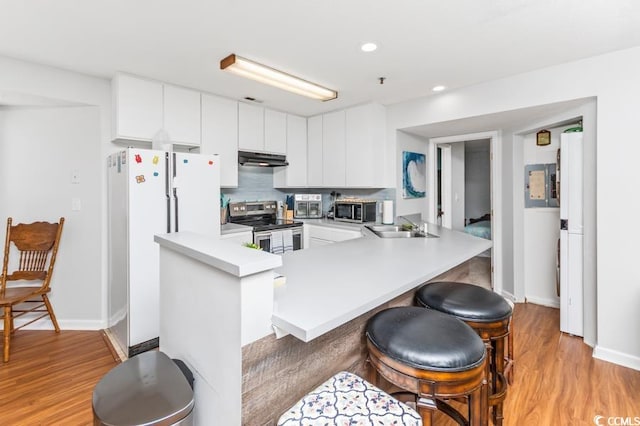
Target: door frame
445,178
495,137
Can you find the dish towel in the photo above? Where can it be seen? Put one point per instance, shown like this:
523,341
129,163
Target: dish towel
277,245
287,240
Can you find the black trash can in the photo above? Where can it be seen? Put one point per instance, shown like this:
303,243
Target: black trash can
148,389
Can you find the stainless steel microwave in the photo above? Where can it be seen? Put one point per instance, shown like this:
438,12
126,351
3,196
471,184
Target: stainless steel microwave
359,211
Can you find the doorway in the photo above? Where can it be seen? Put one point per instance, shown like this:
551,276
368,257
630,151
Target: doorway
447,181
586,112
464,186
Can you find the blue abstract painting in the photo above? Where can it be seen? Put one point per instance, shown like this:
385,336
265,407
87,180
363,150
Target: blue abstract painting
414,175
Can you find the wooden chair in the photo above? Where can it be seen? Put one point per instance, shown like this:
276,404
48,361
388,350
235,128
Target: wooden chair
37,245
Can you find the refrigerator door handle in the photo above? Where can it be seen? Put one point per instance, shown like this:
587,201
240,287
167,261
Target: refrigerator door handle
167,190
564,224
175,194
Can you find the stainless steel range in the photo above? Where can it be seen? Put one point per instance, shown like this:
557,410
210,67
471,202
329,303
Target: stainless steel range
261,215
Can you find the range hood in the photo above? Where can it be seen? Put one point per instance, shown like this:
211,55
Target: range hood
261,159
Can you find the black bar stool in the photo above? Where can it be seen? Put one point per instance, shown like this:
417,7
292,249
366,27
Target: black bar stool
489,314
432,356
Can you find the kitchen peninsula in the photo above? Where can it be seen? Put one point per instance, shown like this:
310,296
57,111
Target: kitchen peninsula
219,306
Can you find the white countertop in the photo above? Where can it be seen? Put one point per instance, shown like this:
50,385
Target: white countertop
234,228
230,257
330,285
330,223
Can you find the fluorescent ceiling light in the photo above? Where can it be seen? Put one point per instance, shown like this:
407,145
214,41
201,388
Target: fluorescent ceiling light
438,88
255,71
368,47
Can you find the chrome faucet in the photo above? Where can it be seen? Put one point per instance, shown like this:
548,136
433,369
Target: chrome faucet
413,225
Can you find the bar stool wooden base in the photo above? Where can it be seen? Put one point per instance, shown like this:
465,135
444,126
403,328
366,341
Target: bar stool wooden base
495,335
489,315
430,383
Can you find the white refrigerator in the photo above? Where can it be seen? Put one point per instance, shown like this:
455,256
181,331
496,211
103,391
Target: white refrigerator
571,233
152,192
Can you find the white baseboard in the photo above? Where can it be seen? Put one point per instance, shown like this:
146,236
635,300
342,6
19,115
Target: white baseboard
46,324
616,357
509,296
544,302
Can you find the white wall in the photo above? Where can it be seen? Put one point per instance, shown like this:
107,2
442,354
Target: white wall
457,186
504,158
477,174
614,79
408,142
38,150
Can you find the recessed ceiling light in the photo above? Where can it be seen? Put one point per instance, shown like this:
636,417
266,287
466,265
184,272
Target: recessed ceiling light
438,88
368,47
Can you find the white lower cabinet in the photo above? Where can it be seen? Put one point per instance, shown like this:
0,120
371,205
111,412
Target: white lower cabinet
238,237
317,242
316,235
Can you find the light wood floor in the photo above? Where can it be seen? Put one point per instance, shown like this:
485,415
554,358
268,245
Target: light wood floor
50,378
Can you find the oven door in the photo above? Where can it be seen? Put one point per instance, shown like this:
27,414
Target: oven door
263,239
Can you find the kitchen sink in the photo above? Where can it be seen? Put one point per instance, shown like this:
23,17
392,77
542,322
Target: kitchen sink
396,231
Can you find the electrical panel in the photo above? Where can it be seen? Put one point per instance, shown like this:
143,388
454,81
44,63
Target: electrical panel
541,185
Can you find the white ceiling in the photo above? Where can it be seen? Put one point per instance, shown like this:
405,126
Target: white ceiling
516,120
422,43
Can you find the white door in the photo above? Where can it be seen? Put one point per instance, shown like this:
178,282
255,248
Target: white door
147,207
196,193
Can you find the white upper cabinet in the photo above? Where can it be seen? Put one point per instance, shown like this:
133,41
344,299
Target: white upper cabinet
365,146
314,151
275,131
137,108
182,115
333,149
250,127
346,149
220,135
295,174
143,107
261,129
